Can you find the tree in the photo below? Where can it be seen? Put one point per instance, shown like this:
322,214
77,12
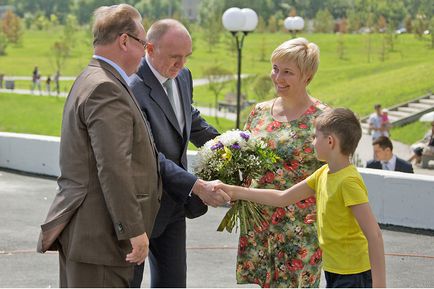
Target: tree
272,24
262,87
323,22
354,21
218,78
60,52
3,43
70,30
210,20
408,24
11,27
431,28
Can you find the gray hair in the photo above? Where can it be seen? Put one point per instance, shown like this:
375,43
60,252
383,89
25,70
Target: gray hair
111,21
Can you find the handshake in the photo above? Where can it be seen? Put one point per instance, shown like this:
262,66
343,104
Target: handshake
211,192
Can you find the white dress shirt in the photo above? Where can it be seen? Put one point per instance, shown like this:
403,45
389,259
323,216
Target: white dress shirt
391,164
179,113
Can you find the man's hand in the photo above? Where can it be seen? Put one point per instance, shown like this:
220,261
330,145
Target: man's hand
205,191
140,250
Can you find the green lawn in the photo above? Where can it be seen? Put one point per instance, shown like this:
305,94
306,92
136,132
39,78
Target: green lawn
353,82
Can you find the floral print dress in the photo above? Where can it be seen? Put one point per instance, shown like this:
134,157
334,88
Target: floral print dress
284,252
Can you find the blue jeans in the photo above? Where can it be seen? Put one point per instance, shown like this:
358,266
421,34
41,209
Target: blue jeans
359,280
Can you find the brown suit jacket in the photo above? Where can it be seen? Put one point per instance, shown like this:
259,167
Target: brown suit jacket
110,186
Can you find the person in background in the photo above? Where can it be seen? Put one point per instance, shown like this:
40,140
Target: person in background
285,252
48,85
36,80
376,123
350,238
385,122
385,159
56,79
426,145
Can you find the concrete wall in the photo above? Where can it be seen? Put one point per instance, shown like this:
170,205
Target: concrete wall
396,198
30,153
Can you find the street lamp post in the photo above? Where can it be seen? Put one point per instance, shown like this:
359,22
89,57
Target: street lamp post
293,24
239,22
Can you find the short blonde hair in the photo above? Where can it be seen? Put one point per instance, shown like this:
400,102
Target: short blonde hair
304,53
111,21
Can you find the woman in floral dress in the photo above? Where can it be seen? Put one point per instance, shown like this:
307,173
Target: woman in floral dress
284,252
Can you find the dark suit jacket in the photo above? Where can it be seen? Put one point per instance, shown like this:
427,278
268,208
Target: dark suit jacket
401,166
169,139
110,187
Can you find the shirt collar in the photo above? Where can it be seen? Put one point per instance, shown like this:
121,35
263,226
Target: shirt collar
115,66
159,77
390,163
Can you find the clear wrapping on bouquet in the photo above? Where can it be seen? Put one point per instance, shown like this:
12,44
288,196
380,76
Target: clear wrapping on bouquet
236,158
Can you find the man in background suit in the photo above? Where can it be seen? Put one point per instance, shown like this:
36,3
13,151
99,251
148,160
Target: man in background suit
164,91
385,159
110,186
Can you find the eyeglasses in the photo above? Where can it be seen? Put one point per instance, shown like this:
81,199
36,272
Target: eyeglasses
137,39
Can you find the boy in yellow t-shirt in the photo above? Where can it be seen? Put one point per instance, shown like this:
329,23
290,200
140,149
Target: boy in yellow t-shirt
348,233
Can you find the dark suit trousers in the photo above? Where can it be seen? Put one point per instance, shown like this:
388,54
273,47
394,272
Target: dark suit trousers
167,258
85,275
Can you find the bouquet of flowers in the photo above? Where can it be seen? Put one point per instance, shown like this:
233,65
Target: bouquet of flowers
235,158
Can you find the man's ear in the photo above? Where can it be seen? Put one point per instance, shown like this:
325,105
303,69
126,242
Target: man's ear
149,48
122,42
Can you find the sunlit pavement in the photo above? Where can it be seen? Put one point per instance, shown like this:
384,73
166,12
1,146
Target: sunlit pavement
211,254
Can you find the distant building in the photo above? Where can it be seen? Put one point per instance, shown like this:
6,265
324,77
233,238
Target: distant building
191,9
4,8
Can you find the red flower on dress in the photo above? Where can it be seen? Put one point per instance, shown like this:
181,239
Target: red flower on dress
310,218
275,219
269,177
303,126
302,252
311,110
280,212
308,150
280,255
294,265
243,242
273,126
315,257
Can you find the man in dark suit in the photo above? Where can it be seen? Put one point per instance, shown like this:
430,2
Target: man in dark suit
385,159
163,89
110,186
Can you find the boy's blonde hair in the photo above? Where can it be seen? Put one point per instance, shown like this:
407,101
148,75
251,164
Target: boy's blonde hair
344,124
111,21
304,53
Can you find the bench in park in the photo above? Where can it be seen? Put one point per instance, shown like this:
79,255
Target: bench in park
230,103
425,160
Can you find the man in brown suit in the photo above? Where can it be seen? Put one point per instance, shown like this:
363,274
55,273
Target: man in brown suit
110,186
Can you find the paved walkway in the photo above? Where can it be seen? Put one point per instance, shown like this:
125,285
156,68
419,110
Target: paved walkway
211,254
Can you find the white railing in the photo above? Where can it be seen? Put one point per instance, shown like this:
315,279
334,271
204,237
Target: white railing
396,198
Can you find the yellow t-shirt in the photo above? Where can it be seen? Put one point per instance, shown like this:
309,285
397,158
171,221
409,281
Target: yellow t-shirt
344,246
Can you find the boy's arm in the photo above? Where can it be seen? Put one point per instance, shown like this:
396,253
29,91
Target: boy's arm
269,197
370,228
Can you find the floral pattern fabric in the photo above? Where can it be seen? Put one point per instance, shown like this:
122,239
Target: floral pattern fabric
284,251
